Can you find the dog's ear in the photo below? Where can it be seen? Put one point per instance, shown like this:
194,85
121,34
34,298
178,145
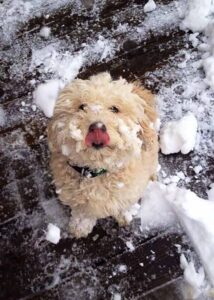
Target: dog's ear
147,100
148,117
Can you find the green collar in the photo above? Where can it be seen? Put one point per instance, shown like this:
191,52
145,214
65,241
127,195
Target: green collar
87,172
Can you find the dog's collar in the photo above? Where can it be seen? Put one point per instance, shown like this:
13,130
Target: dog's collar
87,172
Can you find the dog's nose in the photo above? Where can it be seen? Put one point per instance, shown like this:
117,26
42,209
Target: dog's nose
97,136
97,125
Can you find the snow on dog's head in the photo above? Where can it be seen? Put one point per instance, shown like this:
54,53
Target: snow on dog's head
101,123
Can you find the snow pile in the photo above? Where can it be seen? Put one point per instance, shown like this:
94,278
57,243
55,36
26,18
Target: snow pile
155,211
45,32
45,96
2,117
179,135
162,206
198,15
195,279
53,234
149,6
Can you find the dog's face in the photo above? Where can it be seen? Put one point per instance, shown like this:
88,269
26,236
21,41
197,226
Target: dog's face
97,123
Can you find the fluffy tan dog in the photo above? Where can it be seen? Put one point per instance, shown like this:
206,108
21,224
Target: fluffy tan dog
104,149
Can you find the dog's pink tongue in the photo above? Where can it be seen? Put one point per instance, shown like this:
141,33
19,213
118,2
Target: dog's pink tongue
97,136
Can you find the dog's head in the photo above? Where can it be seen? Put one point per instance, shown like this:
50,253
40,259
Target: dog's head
101,123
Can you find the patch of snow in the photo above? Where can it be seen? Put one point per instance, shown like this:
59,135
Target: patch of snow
195,279
155,212
130,246
53,234
2,117
149,6
163,206
75,132
63,65
122,268
120,185
45,96
179,135
198,15
198,169
45,32
116,296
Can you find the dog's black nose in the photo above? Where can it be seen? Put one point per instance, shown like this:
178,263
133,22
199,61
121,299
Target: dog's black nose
97,125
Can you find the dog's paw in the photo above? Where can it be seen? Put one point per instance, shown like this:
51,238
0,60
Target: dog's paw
81,227
126,217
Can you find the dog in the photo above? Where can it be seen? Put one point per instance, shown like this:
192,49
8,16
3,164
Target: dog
104,149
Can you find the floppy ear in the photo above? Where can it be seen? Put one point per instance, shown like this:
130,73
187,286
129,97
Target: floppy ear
147,102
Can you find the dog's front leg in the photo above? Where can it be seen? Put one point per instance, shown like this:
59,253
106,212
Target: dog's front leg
81,224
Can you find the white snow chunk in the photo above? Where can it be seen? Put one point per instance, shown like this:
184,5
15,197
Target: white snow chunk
122,268
195,279
2,117
179,135
75,132
198,169
116,296
149,6
155,212
45,32
196,217
53,234
63,65
45,96
198,15
193,39
130,245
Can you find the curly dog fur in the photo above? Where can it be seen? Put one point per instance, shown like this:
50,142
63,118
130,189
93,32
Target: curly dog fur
130,157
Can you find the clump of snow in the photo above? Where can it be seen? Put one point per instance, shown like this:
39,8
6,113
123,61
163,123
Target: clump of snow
149,6
155,212
2,117
53,234
179,135
45,32
198,15
130,246
63,65
45,96
196,217
195,279
122,268
116,296
198,169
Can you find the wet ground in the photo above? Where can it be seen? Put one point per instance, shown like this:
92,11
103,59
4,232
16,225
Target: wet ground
32,268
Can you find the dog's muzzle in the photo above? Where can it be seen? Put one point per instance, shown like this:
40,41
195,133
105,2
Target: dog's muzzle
97,136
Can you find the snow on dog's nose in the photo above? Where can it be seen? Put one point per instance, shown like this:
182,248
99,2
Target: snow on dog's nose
97,136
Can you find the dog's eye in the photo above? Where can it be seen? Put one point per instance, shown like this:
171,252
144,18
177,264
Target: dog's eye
114,109
82,106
